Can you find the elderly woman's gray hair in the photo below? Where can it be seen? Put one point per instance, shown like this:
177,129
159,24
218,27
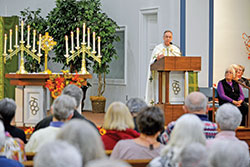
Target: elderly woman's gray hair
232,68
2,135
75,92
135,105
228,153
107,163
58,154
196,101
228,117
194,155
7,110
63,107
83,136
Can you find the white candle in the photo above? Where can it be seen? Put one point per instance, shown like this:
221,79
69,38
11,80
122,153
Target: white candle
77,37
88,37
40,41
34,39
22,30
94,41
10,39
72,41
5,43
16,34
28,36
99,46
84,29
67,46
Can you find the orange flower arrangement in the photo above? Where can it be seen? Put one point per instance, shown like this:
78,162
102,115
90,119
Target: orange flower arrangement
57,82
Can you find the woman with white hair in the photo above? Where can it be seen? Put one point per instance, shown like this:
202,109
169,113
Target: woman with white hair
119,124
4,162
228,153
58,154
229,91
228,117
84,137
188,129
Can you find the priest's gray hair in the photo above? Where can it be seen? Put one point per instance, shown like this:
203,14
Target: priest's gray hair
135,105
58,154
194,155
184,134
196,101
228,153
107,162
228,117
2,135
84,137
75,92
63,107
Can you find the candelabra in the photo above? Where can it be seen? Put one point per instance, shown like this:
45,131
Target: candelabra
84,49
22,48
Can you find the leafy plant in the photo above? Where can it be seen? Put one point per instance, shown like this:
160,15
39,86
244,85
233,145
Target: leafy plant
70,14
37,22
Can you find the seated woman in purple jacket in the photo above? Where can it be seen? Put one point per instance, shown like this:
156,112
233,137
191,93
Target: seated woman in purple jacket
229,91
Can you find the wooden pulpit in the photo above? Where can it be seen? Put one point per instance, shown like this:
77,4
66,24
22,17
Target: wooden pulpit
164,66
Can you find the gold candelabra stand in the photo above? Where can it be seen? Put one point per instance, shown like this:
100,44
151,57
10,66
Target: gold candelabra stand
22,48
84,49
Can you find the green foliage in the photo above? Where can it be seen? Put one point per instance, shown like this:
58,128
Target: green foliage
37,22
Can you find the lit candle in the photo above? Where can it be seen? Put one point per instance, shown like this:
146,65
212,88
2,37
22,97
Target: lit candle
34,40
84,29
77,37
28,36
94,41
5,43
72,41
22,30
10,39
16,34
99,46
88,37
67,46
40,43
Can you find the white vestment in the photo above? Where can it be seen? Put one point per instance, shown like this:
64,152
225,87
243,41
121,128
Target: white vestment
152,77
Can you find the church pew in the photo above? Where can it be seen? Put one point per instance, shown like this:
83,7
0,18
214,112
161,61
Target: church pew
30,155
29,163
138,162
108,152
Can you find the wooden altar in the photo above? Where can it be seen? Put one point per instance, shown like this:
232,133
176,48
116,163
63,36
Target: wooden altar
164,66
32,98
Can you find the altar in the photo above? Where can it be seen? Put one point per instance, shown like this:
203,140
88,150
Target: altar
32,98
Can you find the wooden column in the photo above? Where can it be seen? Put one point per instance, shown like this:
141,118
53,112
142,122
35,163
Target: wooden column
160,87
167,87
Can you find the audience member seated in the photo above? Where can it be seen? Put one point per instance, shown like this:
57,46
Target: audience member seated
188,129
107,163
4,161
135,105
194,155
195,103
228,154
118,123
150,122
62,108
7,111
75,92
229,91
228,118
84,137
58,154
239,75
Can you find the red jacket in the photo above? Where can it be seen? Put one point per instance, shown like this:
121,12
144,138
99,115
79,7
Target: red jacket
113,136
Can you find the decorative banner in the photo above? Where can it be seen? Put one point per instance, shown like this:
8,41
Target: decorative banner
247,43
176,87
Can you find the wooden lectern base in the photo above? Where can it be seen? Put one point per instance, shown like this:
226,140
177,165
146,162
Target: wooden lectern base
171,111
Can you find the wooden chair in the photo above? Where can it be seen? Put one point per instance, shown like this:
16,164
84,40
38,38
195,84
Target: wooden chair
30,156
215,103
29,163
138,162
108,152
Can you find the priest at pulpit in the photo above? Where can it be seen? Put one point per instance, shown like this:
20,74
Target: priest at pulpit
167,48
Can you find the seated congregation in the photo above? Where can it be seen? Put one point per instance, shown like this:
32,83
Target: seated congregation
134,134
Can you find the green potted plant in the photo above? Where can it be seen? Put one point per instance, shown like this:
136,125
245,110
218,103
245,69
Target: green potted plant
66,17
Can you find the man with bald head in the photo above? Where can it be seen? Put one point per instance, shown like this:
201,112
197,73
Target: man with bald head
195,103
